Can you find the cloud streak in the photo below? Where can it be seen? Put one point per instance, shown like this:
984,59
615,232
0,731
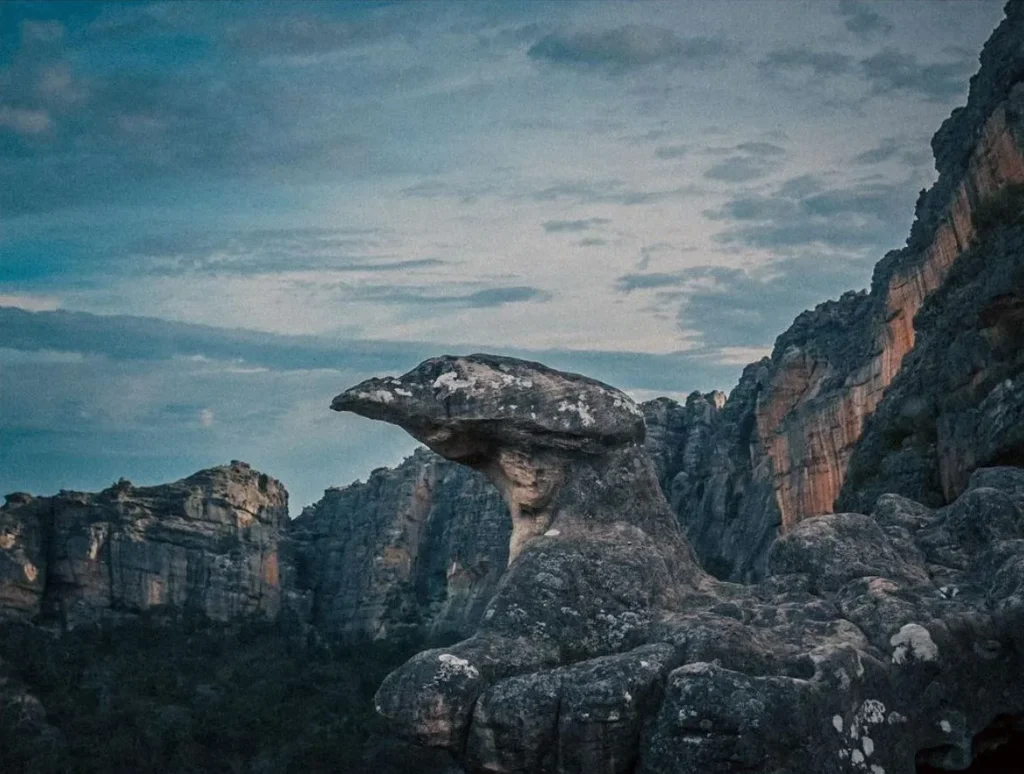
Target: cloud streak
627,49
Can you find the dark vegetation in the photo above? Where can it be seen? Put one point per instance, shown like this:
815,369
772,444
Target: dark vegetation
170,696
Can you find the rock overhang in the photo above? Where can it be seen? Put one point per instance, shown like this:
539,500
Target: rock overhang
468,408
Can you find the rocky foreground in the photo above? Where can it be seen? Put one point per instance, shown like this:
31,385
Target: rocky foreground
654,588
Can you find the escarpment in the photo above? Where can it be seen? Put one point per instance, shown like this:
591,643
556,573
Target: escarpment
606,648
812,411
207,543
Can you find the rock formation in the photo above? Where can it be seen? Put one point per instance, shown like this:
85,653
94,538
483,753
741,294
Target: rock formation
606,648
207,543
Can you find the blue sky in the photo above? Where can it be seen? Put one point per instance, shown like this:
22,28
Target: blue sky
215,216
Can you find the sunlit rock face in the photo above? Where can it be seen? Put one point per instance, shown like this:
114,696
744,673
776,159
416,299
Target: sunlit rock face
606,648
782,445
207,543
813,410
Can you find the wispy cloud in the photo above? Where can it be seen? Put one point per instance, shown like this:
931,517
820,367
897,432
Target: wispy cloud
864,22
628,48
894,71
585,224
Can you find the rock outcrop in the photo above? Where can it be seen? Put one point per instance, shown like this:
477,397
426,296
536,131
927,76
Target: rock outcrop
607,649
596,555
207,543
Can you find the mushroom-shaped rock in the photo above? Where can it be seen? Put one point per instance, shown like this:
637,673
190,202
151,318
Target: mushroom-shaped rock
523,424
466,408
596,554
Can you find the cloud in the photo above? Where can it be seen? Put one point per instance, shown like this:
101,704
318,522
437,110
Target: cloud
491,297
559,226
592,242
413,297
644,281
862,21
628,48
909,152
824,239
127,339
72,135
207,417
738,169
892,71
887,149
672,151
25,120
29,303
803,58
761,149
735,308
610,192
732,310
214,253
861,216
305,35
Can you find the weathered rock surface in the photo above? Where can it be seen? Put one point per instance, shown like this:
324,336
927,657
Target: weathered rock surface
956,404
521,424
607,649
414,550
596,555
207,543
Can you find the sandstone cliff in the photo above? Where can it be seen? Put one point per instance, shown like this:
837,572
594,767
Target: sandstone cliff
207,543
828,373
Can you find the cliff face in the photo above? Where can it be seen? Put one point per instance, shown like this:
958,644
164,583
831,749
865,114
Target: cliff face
812,413
829,372
956,403
207,543
420,546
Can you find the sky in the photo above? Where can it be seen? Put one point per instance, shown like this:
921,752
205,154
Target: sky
216,216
